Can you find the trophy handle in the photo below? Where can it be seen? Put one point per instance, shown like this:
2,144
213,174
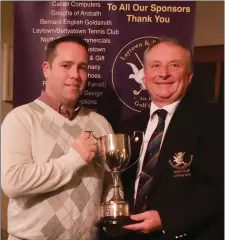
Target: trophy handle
92,136
141,149
133,137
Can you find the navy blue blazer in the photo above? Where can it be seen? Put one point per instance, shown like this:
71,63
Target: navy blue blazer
187,188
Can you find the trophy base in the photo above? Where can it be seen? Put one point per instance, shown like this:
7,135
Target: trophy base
115,221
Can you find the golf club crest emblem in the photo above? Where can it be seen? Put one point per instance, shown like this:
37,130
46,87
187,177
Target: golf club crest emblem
128,73
181,164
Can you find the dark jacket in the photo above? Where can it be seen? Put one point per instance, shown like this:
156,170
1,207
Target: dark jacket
189,197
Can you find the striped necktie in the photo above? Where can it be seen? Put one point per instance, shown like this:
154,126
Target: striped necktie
150,160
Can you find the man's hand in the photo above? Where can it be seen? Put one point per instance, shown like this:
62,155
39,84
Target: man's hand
151,222
85,146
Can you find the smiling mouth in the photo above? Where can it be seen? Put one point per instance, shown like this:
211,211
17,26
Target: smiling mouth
72,86
164,83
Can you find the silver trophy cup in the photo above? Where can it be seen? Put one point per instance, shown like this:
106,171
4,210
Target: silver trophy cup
115,152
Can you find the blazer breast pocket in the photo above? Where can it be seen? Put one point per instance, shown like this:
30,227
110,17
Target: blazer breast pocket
183,155
180,163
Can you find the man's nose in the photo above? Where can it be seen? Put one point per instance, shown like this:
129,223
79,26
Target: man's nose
74,72
164,72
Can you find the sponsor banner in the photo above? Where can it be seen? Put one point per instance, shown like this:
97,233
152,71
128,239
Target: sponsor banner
117,34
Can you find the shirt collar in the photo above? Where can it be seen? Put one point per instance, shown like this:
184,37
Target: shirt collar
169,108
58,106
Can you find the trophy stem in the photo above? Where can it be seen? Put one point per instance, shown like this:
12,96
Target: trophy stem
116,186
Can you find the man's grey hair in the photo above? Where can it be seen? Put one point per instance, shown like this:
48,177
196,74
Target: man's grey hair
174,41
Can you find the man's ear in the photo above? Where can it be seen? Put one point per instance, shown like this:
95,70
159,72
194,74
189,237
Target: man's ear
190,76
46,69
144,79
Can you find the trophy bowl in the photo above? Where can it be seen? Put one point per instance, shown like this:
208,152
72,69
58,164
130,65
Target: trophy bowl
115,156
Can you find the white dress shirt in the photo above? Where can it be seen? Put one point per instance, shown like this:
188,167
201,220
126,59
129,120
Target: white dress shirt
152,123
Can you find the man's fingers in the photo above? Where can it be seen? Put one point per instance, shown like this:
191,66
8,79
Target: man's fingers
140,216
91,156
91,141
86,134
150,221
134,227
92,148
86,146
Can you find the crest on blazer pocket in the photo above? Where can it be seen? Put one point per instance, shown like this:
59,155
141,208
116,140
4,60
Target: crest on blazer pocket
181,163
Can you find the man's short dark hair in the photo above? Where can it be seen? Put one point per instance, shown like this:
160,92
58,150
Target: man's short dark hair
175,41
51,47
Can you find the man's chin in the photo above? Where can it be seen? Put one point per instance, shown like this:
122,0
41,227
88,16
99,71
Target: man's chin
71,98
164,96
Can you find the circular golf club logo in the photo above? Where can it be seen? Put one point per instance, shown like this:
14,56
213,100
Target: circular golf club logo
128,72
